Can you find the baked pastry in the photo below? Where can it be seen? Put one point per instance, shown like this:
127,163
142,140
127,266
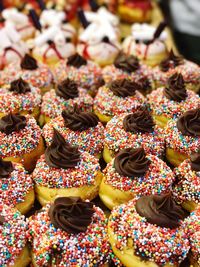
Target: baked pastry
149,232
187,185
182,136
87,74
79,128
76,231
173,64
65,171
20,97
132,174
172,100
14,249
20,140
65,96
16,186
119,96
147,43
133,130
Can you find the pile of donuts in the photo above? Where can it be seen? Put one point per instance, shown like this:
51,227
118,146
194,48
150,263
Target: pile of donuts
73,97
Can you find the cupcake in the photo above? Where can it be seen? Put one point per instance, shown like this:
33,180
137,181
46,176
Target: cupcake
149,232
13,241
147,43
182,137
20,97
173,64
119,96
31,71
133,130
65,96
128,67
65,171
20,140
172,100
132,174
76,231
79,128
187,186
16,186
86,73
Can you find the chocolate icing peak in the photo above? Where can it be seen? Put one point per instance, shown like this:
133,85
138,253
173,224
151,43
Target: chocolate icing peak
195,162
71,214
140,121
126,62
67,89
189,123
124,87
6,168
171,62
61,154
19,86
160,210
29,63
77,120
12,123
176,88
131,162
76,61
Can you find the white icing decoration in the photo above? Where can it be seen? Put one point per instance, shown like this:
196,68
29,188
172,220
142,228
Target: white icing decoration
51,17
46,35
16,17
145,32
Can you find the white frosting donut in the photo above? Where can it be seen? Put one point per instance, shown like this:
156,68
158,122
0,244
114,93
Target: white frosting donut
145,31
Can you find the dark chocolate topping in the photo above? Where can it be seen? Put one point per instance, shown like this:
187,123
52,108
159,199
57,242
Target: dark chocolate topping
19,86
67,89
127,63
6,168
161,210
195,162
12,123
76,61
2,220
145,84
140,121
175,89
77,120
171,62
131,162
71,214
189,123
60,154
29,63
124,87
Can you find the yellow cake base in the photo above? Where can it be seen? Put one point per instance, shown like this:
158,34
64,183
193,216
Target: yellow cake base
27,204
35,113
154,60
189,205
174,157
161,120
45,194
131,15
108,155
103,118
43,119
24,258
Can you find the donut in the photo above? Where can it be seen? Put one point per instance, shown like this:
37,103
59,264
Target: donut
20,140
133,130
182,136
64,170
132,174
172,100
79,128
149,232
71,232
119,96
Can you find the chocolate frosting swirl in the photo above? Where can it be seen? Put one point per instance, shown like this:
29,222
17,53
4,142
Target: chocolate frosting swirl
76,61
124,87
176,88
160,210
77,120
140,121
171,62
6,168
29,63
67,89
195,162
12,123
71,214
19,86
126,62
131,162
61,154
2,220
189,123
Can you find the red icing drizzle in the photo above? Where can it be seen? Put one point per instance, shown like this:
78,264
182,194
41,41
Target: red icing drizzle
53,47
3,57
